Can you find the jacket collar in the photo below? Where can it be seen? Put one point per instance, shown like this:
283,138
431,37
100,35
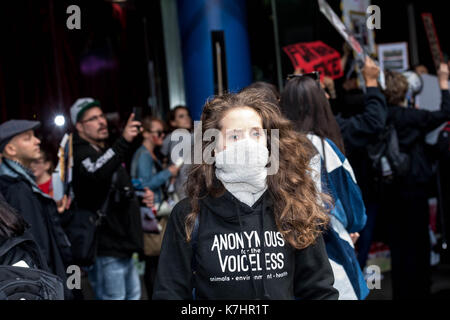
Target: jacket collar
14,169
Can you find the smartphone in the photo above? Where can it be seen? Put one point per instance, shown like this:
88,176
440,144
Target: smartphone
179,162
137,113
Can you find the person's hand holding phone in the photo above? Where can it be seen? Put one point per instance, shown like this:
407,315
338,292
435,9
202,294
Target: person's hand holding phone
132,129
148,198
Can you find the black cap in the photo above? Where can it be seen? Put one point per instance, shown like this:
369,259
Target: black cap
12,128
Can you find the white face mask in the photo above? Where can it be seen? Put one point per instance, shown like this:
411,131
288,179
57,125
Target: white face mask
241,168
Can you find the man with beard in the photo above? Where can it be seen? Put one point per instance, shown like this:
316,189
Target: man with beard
113,276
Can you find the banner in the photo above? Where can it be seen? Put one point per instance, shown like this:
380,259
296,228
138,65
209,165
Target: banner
315,56
433,40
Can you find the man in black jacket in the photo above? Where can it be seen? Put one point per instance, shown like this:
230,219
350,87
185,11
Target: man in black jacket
114,275
358,131
20,147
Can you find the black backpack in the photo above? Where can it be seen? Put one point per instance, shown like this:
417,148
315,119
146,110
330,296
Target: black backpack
387,159
20,283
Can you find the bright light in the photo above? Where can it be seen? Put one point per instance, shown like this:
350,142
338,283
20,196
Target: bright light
60,120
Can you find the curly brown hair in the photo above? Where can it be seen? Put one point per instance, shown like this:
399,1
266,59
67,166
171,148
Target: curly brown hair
396,87
300,210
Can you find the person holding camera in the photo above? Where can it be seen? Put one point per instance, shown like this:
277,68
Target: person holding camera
97,169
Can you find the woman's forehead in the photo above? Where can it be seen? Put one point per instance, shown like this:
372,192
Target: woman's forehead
156,124
241,118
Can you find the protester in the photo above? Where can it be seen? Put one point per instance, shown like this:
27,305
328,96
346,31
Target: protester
97,169
312,115
270,88
421,69
360,126
20,147
42,169
148,170
179,118
406,198
245,233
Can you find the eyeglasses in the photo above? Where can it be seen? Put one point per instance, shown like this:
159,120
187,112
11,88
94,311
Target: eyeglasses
95,118
315,75
159,133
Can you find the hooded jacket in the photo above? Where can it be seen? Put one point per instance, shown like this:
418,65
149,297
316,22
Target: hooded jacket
239,255
120,234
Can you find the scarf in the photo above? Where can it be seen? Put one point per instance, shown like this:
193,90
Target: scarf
242,170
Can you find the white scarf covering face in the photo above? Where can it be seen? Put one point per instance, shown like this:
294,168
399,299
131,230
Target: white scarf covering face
242,170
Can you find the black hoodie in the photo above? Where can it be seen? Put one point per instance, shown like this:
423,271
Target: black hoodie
230,235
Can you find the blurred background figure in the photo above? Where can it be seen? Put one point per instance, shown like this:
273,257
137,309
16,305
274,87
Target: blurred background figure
147,171
405,209
421,69
42,169
178,118
306,103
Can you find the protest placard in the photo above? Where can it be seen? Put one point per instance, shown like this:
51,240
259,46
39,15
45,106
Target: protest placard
393,56
315,56
433,39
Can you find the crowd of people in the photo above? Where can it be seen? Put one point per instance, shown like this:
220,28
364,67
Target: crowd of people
351,165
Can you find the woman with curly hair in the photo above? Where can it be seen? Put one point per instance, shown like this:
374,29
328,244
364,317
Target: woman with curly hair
247,230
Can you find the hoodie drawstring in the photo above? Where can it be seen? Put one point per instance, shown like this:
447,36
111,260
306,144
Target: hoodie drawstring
266,295
248,260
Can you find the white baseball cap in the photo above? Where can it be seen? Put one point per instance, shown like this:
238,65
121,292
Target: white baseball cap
80,106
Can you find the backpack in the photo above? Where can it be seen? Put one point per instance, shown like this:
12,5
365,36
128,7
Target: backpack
387,159
21,283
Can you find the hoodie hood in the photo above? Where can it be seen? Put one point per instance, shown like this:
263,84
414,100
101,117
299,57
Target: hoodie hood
228,206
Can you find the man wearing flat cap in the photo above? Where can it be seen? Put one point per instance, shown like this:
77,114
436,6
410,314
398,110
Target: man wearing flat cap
19,147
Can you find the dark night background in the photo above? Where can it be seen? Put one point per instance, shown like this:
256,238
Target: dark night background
44,67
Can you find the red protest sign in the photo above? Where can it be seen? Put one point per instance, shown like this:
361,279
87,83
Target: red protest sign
433,39
315,56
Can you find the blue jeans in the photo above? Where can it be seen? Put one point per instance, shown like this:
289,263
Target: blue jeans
115,279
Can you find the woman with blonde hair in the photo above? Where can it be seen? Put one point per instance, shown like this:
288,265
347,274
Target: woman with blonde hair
245,232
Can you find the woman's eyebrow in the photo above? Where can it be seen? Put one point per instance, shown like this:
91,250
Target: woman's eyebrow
235,130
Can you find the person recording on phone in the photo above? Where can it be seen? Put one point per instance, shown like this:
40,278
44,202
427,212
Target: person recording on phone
97,169
147,172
